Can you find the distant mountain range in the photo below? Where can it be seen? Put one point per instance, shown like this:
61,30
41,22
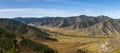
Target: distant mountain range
100,25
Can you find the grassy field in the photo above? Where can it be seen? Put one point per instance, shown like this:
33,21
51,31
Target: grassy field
70,41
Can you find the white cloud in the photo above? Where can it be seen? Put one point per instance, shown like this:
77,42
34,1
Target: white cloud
34,12
113,14
110,13
41,12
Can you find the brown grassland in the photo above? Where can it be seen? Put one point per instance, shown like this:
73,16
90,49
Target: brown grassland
70,41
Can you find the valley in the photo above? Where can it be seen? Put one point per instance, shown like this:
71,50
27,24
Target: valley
71,41
59,26
78,34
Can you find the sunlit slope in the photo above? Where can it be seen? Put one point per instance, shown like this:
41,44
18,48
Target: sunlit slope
72,41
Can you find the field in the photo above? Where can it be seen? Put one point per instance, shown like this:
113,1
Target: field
70,41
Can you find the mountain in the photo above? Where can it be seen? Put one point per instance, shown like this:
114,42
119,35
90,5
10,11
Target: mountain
100,25
23,29
12,43
104,28
117,20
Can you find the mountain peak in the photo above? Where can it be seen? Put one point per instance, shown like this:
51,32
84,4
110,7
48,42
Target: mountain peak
102,16
83,15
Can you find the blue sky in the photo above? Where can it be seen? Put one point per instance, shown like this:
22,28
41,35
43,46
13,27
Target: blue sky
64,8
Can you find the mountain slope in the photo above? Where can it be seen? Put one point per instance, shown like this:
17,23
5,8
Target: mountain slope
12,43
105,28
101,25
23,29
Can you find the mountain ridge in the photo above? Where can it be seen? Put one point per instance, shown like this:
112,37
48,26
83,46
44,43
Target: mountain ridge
23,29
103,24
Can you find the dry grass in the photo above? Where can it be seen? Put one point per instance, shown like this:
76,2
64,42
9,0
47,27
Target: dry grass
67,44
65,31
73,40
26,50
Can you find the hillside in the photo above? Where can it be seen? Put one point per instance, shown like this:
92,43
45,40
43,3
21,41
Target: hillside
12,43
100,25
23,29
74,41
104,28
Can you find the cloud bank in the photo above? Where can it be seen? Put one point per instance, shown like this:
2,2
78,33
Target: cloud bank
33,12
41,12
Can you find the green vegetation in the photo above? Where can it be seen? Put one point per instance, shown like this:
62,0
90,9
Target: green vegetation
8,44
23,29
40,48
